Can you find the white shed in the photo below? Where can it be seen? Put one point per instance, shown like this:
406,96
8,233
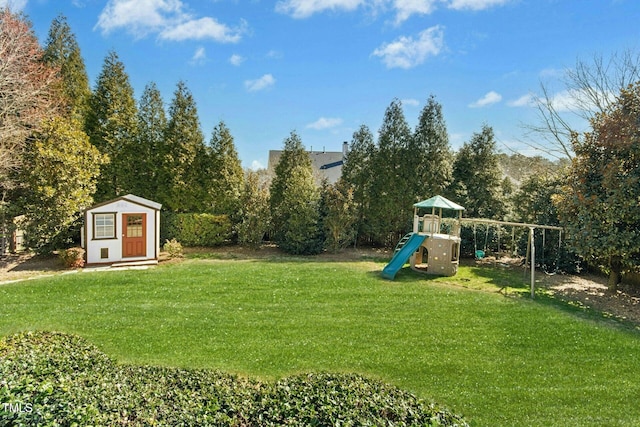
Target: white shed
123,230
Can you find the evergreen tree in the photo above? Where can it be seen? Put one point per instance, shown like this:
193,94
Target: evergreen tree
392,198
185,160
255,216
152,124
357,173
227,174
63,52
431,153
477,178
63,167
112,127
294,201
599,204
338,215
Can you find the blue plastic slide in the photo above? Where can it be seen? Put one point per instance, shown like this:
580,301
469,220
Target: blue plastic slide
400,258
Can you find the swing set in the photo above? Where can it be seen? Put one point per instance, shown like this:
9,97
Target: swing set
530,256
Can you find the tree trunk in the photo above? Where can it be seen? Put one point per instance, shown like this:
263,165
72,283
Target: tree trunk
615,275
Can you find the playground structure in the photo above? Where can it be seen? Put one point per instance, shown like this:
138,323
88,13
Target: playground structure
433,247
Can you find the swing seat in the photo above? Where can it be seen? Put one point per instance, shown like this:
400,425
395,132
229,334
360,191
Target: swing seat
479,254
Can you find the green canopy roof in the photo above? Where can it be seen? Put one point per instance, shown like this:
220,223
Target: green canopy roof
439,202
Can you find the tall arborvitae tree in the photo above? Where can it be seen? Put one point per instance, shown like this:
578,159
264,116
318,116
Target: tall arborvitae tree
392,198
184,171
227,176
477,177
357,173
294,201
112,127
63,52
152,123
430,152
255,217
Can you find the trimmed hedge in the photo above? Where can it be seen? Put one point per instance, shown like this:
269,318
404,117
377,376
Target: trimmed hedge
196,229
49,378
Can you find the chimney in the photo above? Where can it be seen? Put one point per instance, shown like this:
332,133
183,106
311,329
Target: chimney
345,149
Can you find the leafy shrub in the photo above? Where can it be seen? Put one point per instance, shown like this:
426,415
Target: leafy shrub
60,379
197,229
72,257
326,399
173,248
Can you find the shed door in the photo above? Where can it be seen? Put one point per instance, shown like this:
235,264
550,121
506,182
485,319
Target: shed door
134,235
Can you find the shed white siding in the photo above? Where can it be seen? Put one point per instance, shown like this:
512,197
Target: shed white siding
109,250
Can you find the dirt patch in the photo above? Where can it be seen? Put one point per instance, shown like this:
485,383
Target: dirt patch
26,265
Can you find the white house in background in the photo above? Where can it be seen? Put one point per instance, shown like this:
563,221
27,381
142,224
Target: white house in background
325,164
122,231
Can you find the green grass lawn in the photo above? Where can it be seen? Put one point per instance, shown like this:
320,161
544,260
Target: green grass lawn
497,360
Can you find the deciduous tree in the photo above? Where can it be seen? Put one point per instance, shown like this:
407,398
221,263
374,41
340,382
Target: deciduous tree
27,92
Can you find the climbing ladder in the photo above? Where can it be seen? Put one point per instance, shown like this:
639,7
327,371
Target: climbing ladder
402,242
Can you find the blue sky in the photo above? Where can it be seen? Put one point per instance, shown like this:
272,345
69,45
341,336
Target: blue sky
325,67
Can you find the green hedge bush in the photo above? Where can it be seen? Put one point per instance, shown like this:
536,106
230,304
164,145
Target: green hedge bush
49,379
196,229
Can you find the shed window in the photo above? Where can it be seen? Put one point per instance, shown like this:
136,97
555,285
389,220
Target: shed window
104,226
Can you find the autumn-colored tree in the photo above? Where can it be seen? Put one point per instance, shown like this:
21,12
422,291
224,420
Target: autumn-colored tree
600,204
27,92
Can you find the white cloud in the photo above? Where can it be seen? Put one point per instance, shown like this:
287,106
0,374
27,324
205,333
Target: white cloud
488,99
236,60
410,102
262,83
406,8
524,101
199,57
204,28
324,123
140,17
165,17
406,52
304,8
14,5
475,4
